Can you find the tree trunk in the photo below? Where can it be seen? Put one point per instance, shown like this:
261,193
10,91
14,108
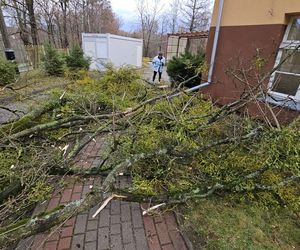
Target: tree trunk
22,25
3,30
33,25
64,7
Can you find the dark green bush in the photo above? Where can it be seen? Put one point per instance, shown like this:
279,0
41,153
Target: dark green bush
76,60
7,72
184,67
53,61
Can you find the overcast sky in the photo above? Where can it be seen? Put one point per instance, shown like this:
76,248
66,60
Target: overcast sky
126,9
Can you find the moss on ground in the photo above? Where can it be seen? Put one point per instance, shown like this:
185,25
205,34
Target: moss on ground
221,224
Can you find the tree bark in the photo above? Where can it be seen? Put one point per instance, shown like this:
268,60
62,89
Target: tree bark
3,30
64,7
33,25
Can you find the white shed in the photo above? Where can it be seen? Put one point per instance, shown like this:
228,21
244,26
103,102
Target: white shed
118,50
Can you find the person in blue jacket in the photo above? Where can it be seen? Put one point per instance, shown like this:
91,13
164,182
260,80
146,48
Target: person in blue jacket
158,63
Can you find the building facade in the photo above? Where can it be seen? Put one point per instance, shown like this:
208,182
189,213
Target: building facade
255,40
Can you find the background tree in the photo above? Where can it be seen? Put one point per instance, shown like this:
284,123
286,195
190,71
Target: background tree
60,22
195,14
175,6
3,30
64,4
32,21
149,19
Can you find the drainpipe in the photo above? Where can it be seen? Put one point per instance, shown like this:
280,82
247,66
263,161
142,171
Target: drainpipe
214,49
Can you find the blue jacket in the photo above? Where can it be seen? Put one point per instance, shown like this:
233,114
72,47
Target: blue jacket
158,64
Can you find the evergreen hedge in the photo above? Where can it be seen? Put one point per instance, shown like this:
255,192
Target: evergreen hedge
53,62
7,72
184,67
76,60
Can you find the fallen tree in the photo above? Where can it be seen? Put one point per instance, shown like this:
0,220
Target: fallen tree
175,145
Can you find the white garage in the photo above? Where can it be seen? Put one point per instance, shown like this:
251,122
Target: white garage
108,48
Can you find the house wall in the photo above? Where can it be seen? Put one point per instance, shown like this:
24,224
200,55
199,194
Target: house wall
250,29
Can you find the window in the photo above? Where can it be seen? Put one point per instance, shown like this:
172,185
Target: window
284,87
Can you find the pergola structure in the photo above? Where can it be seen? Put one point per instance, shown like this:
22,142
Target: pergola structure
193,42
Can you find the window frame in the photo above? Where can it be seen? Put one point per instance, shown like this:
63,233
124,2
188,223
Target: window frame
278,98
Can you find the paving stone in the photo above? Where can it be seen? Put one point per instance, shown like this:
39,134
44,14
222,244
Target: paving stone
149,226
103,238
153,243
77,188
162,232
76,197
54,202
92,225
135,206
90,246
125,213
38,241
115,219
92,212
115,207
137,219
171,222
168,247
129,246
66,231
178,241
116,242
64,243
159,218
115,229
104,218
78,242
49,245
66,196
91,236
70,222
53,236
80,224
127,233
141,241
25,244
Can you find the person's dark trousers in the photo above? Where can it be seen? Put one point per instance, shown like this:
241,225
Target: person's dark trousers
154,76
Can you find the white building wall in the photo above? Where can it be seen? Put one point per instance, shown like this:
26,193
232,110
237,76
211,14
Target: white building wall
118,50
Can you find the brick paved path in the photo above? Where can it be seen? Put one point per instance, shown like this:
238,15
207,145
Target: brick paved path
120,226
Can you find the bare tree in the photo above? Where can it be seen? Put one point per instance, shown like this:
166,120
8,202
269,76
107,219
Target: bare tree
64,7
195,14
174,15
3,30
32,21
148,15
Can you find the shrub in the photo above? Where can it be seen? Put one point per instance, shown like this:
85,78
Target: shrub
7,72
53,61
76,60
184,67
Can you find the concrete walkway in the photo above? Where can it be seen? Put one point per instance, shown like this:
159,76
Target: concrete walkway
148,74
120,226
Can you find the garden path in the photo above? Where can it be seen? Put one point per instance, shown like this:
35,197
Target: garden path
120,226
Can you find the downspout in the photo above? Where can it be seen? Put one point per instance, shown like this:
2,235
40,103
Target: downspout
214,50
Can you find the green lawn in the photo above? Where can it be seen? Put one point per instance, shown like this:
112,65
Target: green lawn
218,224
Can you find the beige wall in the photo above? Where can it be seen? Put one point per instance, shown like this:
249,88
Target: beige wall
255,12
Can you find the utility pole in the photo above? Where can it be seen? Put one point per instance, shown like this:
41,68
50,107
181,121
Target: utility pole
4,34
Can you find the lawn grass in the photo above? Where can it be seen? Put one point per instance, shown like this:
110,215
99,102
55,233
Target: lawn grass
218,224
